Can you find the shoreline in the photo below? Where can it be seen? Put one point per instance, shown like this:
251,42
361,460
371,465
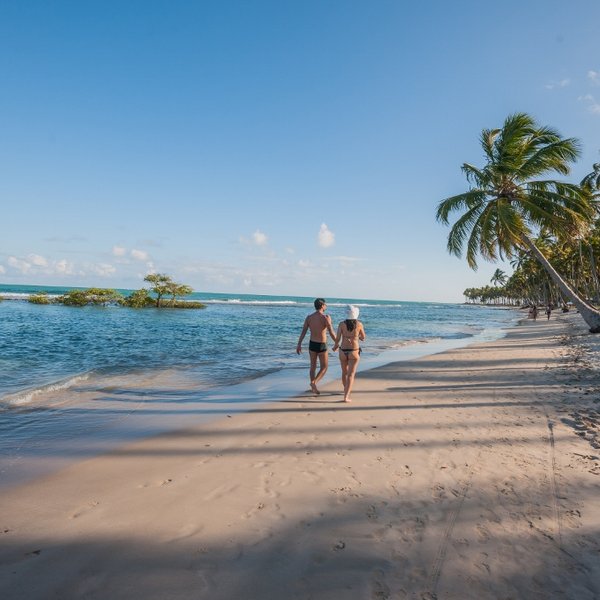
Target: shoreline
457,475
107,411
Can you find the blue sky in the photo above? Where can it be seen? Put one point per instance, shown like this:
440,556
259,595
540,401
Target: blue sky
269,147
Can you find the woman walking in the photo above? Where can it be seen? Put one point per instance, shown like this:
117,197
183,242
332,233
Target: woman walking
349,333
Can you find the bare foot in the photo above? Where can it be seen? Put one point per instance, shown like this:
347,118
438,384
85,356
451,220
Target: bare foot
313,387
347,399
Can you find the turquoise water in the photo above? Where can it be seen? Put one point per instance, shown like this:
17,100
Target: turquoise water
236,338
75,382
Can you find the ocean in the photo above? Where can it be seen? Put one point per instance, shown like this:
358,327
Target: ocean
114,373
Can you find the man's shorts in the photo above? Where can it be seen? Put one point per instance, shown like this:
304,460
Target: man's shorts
317,347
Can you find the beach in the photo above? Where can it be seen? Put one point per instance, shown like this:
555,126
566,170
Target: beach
473,473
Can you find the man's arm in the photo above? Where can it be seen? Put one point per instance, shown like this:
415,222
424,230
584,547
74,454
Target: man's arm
330,327
304,330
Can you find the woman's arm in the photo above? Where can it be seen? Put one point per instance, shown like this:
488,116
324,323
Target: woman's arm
361,333
338,337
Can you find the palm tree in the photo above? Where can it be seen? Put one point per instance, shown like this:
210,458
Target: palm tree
592,180
507,203
499,277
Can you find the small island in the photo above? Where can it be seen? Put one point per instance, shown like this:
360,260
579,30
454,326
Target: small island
163,292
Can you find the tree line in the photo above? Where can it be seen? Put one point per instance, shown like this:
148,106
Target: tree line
163,292
549,229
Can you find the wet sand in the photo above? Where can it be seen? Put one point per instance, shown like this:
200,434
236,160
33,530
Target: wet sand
468,474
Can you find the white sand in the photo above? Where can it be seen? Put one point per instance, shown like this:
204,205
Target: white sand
468,474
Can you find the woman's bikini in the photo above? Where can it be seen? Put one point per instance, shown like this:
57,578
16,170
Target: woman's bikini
350,338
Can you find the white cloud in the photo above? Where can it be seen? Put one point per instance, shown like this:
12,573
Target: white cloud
326,237
558,84
2,269
37,260
304,264
139,254
260,239
347,261
20,265
593,77
64,267
103,269
39,264
119,251
592,104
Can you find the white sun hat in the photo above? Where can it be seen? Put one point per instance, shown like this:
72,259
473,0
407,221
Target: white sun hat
352,312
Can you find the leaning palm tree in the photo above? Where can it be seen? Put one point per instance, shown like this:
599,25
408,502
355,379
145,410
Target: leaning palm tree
508,203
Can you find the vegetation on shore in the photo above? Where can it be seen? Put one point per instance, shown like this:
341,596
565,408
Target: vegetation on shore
549,229
40,298
162,286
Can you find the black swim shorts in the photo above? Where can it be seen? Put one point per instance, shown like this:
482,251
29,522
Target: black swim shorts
317,347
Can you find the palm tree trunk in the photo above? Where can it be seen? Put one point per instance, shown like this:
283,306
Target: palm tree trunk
585,283
590,315
594,274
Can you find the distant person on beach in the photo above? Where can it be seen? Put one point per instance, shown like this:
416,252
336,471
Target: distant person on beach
349,333
533,312
319,324
548,311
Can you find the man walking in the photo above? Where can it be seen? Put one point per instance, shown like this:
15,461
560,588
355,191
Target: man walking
319,324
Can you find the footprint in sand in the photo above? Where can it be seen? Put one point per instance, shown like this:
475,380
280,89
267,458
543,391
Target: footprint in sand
372,512
84,509
439,493
312,476
187,531
255,510
220,491
379,589
285,481
411,530
266,486
483,532
460,543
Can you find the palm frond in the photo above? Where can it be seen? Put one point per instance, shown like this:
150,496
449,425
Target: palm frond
473,246
454,203
488,239
460,230
487,139
559,193
474,175
511,227
551,156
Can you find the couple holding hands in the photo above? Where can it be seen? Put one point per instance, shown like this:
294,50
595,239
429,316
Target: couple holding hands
350,331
